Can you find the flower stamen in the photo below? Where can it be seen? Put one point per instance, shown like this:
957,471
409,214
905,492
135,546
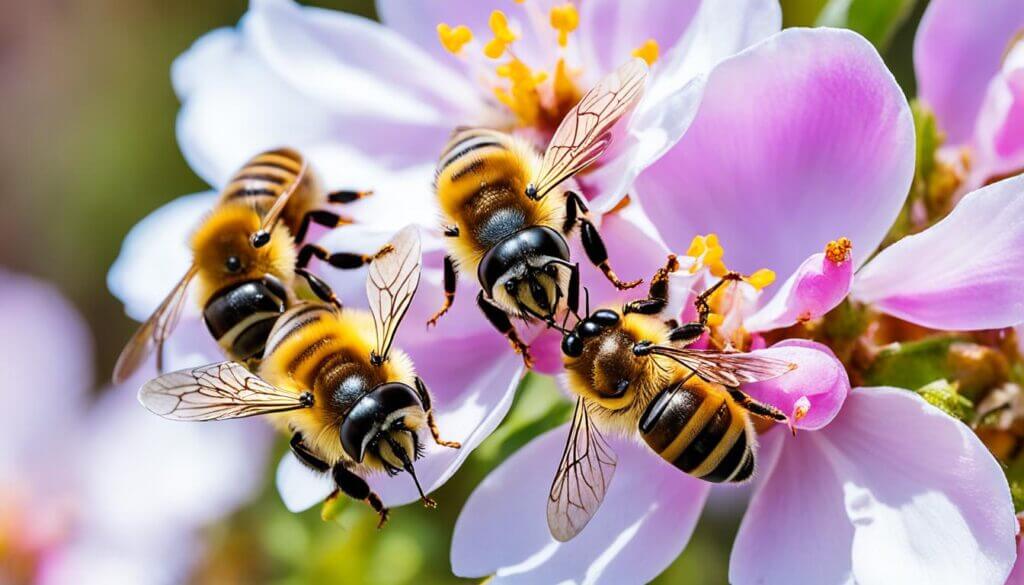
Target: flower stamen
838,251
454,38
649,51
564,19
503,35
761,279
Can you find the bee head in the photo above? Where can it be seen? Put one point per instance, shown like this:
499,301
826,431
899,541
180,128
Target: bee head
599,350
522,271
384,424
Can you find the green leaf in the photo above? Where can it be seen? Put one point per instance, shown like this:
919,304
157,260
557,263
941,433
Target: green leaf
912,365
877,20
947,398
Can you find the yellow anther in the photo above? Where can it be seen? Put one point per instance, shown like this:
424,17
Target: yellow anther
503,35
716,268
564,19
648,51
838,251
499,26
715,319
761,278
801,408
697,246
453,39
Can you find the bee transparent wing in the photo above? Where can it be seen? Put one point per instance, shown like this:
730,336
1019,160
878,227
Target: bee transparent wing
390,286
585,132
219,391
152,334
727,369
584,474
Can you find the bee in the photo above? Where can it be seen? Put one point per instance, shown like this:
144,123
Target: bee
352,404
508,213
246,256
633,375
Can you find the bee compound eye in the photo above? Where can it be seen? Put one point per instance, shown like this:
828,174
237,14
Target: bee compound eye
605,317
233,264
572,345
511,286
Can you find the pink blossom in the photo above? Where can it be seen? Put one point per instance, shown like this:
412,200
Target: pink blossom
970,71
101,493
800,140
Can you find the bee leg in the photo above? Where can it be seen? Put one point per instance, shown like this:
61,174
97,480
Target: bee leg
319,217
572,297
424,392
356,488
306,456
320,288
343,260
574,204
451,231
451,278
657,296
686,333
701,302
343,197
758,408
500,321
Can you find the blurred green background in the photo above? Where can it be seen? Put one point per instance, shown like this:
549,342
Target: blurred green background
88,149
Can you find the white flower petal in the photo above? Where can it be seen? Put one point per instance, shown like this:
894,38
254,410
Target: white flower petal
300,487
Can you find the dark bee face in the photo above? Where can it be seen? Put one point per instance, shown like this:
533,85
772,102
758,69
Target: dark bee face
384,424
601,351
522,271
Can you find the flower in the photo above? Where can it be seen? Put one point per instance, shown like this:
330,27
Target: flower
802,169
99,493
969,61
372,105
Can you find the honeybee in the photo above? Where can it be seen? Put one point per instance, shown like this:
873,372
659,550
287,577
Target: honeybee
508,213
245,258
632,373
352,403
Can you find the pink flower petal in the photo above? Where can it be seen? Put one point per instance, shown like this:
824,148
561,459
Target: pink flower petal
817,286
812,394
803,138
904,493
45,380
997,147
169,478
356,64
647,518
965,272
610,31
155,255
1017,574
717,31
223,122
957,51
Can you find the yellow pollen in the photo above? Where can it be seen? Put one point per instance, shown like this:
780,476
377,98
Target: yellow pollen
715,319
566,93
564,19
697,246
801,408
709,252
761,278
522,98
453,39
838,251
648,51
503,35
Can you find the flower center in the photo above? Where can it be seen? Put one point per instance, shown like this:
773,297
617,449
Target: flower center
838,251
537,96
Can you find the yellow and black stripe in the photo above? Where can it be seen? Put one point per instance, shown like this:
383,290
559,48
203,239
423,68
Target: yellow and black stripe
701,430
264,177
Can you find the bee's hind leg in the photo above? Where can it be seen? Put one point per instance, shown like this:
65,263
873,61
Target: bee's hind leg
451,278
356,488
657,296
593,245
424,392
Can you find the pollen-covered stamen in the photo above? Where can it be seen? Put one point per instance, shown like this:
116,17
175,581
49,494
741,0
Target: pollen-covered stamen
454,38
564,19
708,253
800,409
761,279
649,51
503,35
522,98
838,251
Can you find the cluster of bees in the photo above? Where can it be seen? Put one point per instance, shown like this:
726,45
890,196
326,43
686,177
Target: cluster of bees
352,403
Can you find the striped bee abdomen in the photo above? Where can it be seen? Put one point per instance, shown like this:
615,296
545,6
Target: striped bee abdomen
702,432
240,317
265,177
